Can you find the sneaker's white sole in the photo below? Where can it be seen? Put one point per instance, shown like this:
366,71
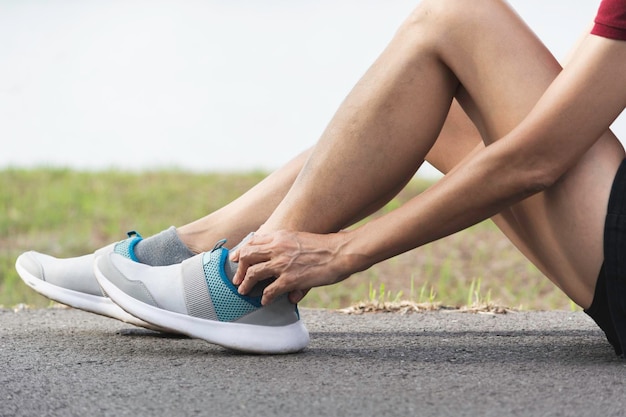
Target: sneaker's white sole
80,300
237,336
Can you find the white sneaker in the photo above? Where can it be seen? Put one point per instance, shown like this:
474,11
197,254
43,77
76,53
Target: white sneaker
198,299
71,281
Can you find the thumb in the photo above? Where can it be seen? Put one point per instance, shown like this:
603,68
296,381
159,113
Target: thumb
296,296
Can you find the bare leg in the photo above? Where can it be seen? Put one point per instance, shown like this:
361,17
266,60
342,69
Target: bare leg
245,214
390,121
248,212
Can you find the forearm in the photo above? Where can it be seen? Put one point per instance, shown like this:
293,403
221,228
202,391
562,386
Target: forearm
575,111
568,119
474,191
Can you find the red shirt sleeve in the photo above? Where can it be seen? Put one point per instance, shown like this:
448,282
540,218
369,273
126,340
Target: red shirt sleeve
611,20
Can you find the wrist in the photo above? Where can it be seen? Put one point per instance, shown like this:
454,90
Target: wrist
352,253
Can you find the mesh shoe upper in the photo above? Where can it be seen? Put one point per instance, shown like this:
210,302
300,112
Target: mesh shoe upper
197,298
198,287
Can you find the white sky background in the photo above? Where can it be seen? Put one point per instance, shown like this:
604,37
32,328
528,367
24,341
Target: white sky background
198,85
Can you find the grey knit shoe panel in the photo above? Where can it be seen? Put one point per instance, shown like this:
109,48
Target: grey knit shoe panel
197,297
280,313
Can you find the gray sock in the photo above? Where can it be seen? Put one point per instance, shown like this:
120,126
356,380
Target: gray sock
162,249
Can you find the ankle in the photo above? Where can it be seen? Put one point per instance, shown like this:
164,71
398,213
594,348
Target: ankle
192,240
164,248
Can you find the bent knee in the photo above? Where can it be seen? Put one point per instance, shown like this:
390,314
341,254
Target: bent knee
437,19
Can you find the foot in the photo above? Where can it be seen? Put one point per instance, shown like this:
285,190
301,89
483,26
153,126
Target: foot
72,281
198,299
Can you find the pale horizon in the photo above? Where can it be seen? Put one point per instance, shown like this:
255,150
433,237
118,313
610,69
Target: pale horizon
201,86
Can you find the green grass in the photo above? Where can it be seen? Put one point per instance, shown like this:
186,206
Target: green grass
69,213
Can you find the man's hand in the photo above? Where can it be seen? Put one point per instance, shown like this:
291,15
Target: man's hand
298,260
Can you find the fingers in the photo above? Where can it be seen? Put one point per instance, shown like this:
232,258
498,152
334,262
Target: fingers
263,257
297,260
248,254
254,274
279,287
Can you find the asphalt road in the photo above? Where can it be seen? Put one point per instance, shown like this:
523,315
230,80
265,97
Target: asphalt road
64,362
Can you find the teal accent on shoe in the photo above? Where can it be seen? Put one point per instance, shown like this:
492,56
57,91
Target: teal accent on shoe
228,303
126,247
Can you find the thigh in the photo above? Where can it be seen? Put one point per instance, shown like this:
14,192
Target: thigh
502,72
560,231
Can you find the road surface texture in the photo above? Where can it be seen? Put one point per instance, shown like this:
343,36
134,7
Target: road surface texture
64,362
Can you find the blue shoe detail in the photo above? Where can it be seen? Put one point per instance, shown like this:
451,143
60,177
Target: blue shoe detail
229,305
126,247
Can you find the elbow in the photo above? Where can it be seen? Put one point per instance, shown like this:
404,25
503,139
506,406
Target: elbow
539,178
531,169
539,183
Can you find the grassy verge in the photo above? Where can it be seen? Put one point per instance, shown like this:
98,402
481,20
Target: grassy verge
70,213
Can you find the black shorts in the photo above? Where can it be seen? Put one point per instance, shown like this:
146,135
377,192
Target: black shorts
608,308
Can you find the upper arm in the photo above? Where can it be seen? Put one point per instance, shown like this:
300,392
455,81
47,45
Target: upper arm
578,107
